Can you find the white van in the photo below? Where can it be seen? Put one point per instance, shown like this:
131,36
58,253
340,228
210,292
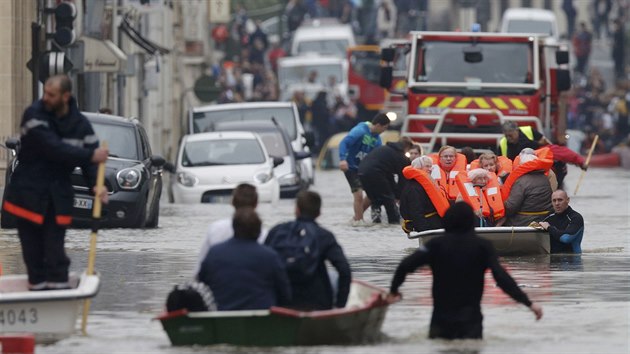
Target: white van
524,20
293,73
203,119
324,36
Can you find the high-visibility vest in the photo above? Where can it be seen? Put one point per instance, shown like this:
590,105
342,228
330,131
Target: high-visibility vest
527,130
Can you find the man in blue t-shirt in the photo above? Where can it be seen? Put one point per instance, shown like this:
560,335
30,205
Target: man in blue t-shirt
361,139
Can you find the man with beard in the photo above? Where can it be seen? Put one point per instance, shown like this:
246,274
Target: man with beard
459,261
55,138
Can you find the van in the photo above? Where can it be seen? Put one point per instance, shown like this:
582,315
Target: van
294,71
324,36
524,20
205,118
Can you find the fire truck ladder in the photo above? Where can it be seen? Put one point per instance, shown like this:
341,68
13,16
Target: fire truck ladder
437,133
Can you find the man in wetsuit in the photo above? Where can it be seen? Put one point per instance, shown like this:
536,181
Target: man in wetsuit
458,261
565,225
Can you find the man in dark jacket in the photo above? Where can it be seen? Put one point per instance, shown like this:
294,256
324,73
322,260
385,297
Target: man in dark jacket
458,261
55,138
306,265
565,226
376,173
242,274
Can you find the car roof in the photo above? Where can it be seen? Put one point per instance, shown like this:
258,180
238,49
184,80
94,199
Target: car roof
220,136
243,105
529,14
109,118
310,59
252,125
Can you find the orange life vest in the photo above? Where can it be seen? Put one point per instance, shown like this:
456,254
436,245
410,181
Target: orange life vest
472,195
505,165
438,199
542,153
448,181
538,164
492,192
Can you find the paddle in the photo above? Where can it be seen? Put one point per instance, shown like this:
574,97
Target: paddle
96,215
588,160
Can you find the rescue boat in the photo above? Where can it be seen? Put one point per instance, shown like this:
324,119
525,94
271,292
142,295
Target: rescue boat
360,321
50,315
507,240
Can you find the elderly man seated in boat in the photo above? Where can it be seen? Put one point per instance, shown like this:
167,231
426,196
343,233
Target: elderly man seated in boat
422,202
481,190
527,191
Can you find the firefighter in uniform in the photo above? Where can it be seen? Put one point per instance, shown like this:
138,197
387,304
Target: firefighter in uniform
55,138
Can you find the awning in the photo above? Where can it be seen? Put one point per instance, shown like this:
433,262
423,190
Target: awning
102,56
136,37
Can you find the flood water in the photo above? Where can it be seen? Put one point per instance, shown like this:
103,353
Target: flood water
586,299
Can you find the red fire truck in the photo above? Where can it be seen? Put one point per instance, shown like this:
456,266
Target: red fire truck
461,86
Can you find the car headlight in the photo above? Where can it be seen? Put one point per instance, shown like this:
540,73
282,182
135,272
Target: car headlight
289,179
129,178
263,177
186,179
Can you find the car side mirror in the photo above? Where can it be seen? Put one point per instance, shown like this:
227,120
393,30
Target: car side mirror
169,167
158,160
277,161
563,80
310,139
301,155
388,54
12,143
562,57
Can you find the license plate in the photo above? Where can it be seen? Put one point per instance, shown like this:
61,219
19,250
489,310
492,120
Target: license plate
83,203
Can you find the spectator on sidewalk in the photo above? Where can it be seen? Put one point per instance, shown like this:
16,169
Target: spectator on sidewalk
582,47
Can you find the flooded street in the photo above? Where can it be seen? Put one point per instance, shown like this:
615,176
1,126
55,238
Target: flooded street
586,299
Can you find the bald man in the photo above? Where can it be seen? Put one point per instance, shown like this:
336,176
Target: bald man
565,225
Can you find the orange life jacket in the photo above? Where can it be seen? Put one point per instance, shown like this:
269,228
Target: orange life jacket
492,192
472,195
504,164
538,164
448,181
542,153
438,199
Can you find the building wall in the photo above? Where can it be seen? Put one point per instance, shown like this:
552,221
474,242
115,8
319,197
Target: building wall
16,17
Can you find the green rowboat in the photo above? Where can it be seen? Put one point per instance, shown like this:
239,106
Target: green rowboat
359,322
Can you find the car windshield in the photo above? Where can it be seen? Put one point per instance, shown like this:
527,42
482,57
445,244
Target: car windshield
222,152
322,73
205,121
328,46
497,63
366,64
530,26
121,139
274,143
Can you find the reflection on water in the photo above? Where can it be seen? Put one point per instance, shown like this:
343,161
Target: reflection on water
586,298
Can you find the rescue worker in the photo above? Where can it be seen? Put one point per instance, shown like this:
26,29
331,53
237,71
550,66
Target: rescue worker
565,225
377,171
458,261
527,191
55,138
361,139
422,203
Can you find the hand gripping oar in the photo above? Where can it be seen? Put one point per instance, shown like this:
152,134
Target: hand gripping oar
96,216
588,160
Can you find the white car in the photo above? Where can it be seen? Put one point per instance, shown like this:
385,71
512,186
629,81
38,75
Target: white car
210,165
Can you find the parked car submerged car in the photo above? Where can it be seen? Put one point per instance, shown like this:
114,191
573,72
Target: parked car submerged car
289,173
133,176
210,165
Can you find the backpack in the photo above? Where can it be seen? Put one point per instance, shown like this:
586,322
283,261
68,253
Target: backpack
192,296
297,245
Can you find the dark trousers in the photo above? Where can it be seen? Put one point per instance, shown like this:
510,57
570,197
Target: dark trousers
43,250
380,192
456,330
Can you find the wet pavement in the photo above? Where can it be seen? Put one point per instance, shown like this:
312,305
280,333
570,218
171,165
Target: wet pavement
586,299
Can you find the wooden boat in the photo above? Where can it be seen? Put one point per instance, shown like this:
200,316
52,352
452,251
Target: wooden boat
359,322
50,315
507,240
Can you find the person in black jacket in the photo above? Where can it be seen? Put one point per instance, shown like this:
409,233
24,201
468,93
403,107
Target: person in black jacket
458,261
310,283
416,207
55,138
241,273
565,226
376,173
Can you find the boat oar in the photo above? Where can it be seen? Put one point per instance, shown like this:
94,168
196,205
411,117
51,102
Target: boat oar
588,160
96,216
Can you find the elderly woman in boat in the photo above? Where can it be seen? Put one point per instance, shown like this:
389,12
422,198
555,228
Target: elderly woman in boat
422,203
481,191
527,191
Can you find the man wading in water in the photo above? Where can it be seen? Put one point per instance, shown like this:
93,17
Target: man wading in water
458,260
